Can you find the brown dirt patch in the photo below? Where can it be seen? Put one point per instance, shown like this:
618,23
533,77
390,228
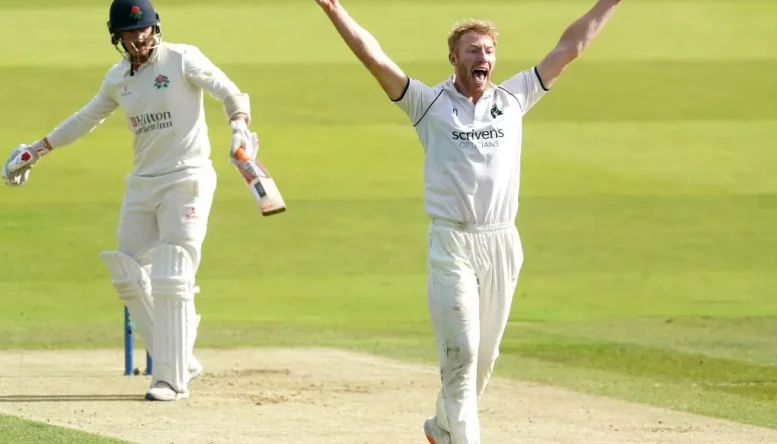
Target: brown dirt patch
306,396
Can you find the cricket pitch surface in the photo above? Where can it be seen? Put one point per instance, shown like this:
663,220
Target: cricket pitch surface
306,396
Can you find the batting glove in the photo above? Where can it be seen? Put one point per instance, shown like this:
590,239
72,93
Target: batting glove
242,138
16,170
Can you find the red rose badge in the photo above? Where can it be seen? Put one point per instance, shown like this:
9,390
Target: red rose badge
161,81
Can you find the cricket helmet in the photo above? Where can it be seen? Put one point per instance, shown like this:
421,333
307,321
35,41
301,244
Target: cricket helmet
128,15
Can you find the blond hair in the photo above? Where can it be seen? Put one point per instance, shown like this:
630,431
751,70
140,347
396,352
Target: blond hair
479,26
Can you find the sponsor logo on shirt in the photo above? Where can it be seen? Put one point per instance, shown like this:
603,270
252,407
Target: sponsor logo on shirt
144,123
479,139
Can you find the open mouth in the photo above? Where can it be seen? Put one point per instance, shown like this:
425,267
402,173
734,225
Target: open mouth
480,74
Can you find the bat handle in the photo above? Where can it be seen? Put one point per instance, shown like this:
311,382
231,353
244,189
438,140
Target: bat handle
241,155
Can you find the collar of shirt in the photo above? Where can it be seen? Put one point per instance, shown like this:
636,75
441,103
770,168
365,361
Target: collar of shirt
450,85
151,60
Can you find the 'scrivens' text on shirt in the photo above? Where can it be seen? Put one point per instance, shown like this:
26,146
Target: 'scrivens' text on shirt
479,139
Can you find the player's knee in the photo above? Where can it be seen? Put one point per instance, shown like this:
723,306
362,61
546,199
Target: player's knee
134,242
460,357
460,367
172,272
127,275
194,255
190,244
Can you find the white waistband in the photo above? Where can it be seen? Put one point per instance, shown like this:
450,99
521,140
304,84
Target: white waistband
472,227
173,176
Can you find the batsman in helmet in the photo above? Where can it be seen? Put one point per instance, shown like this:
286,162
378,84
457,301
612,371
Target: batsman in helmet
169,191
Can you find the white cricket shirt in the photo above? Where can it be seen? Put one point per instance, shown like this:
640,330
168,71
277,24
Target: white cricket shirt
163,107
472,151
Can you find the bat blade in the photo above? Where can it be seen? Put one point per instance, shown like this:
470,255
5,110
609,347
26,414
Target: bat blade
261,184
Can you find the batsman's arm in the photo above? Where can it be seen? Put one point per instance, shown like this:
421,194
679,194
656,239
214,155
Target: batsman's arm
17,168
367,49
80,123
201,72
574,40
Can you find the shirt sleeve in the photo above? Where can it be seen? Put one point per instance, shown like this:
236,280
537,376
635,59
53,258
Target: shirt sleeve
416,100
204,74
83,121
527,87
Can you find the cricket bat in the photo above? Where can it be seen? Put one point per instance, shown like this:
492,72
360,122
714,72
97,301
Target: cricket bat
260,183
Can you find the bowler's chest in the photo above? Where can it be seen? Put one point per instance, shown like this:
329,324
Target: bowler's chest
482,130
485,112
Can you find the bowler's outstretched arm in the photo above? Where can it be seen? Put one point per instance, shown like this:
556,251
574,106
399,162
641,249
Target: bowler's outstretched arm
391,78
574,40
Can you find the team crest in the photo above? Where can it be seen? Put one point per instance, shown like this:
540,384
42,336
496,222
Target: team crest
495,111
161,81
136,13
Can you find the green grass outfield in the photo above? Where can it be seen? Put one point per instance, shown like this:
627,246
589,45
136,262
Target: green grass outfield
648,201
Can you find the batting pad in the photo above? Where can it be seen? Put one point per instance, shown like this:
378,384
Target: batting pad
133,287
172,283
192,324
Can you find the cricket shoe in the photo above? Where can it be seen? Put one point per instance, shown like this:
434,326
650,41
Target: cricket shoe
162,391
434,433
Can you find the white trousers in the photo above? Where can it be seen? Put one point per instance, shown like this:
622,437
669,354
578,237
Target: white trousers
170,209
472,275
